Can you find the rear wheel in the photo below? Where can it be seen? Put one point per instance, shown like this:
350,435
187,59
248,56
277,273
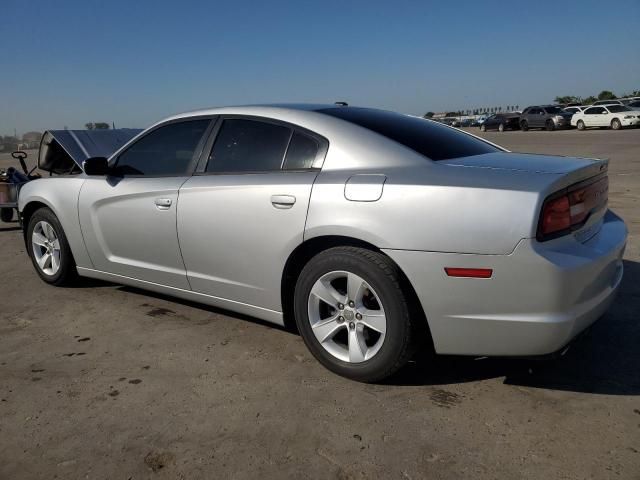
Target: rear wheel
353,315
501,127
616,124
580,125
6,214
524,125
49,249
550,126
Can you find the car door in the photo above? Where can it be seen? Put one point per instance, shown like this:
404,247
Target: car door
244,211
592,116
128,218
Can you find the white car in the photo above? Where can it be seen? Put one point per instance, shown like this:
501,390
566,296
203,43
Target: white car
614,116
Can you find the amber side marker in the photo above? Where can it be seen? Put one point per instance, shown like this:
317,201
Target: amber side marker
469,272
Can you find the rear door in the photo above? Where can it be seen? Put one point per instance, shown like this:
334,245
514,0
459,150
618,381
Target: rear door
128,218
244,211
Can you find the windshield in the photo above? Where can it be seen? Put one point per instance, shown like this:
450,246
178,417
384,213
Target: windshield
553,109
428,138
618,108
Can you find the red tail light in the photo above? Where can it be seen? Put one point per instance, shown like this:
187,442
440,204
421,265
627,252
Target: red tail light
569,209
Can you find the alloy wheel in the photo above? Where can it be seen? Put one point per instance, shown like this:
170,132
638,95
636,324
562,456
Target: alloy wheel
46,248
347,316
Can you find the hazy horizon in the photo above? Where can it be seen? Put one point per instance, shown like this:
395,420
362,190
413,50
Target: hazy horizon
134,64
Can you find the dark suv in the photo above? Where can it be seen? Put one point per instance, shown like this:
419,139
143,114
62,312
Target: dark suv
548,117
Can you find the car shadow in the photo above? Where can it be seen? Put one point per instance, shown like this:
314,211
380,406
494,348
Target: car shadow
9,227
606,360
202,306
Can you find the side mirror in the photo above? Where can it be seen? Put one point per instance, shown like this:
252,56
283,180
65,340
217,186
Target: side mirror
95,166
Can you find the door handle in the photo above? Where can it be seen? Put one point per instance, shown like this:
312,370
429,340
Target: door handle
283,201
163,203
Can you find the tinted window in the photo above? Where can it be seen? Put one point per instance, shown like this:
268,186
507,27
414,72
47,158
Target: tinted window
594,110
618,109
167,150
553,110
571,110
301,153
248,146
430,139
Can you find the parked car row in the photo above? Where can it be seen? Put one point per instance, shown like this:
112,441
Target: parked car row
603,114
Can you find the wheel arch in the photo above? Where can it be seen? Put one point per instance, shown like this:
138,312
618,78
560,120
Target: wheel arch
27,212
312,247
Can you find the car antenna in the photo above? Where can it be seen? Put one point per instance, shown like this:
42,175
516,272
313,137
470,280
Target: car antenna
341,104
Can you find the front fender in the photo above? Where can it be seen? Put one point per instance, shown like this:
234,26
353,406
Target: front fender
60,194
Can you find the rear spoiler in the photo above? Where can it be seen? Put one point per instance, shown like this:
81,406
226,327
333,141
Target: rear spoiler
63,151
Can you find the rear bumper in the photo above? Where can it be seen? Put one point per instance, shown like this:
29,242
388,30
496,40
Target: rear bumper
538,299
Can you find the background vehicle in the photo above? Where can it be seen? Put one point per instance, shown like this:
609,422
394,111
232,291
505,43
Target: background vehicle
377,233
549,117
613,116
575,109
635,105
501,122
11,180
607,102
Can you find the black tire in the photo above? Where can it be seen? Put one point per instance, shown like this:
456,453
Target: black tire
483,128
549,126
616,124
67,272
580,125
386,279
6,214
524,125
501,127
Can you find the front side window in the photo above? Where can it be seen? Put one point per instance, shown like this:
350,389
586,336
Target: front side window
166,151
594,111
434,141
248,146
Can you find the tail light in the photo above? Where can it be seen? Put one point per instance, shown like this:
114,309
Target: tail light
569,209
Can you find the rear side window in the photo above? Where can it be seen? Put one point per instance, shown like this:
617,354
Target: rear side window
301,153
166,151
248,146
431,139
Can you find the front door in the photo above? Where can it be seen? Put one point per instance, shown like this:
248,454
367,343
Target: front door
242,216
128,218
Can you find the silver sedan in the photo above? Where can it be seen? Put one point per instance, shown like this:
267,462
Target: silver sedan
376,233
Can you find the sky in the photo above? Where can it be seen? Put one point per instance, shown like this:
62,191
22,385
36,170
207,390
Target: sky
70,62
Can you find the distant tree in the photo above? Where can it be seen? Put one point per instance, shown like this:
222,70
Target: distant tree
428,115
589,100
606,95
89,126
517,107
499,109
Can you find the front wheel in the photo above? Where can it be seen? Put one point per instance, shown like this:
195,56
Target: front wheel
353,315
49,249
615,124
483,128
524,126
580,125
501,127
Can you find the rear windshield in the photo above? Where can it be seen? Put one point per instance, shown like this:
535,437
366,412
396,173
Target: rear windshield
431,139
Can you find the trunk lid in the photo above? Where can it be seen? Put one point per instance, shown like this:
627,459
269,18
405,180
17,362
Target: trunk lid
569,170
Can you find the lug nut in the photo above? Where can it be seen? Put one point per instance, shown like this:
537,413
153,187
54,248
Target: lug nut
358,316
352,304
340,306
340,319
352,325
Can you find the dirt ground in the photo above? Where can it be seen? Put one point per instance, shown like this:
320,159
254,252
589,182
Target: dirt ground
108,382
